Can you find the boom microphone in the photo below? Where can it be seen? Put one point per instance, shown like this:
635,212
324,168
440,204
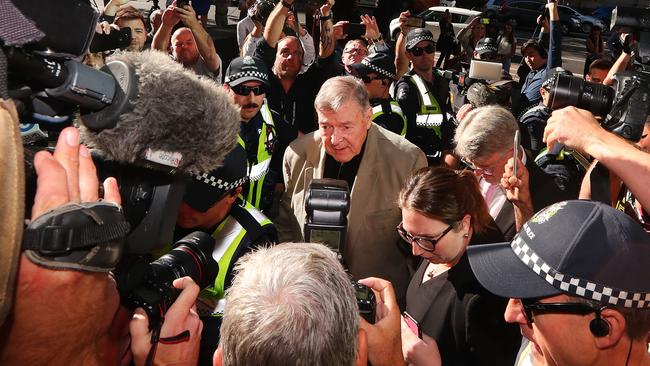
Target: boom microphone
173,119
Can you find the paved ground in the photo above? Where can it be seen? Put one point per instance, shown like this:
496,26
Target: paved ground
573,47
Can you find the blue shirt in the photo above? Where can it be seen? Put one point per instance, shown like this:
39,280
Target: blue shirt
530,89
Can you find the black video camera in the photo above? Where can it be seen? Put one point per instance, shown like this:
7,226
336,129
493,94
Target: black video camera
50,85
327,205
627,107
149,285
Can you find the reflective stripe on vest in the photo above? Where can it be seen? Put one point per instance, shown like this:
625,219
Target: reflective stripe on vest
378,110
430,114
257,172
228,237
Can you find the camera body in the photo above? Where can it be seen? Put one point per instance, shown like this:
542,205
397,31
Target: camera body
365,301
149,285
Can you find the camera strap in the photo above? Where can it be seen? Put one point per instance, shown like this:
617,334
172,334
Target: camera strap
77,236
183,336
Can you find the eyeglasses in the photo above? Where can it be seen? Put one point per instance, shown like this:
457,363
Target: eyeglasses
477,170
359,51
533,305
426,243
418,51
246,90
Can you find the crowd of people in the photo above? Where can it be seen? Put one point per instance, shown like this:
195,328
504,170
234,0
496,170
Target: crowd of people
475,214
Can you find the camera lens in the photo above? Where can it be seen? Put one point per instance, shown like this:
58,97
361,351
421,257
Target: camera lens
573,91
192,257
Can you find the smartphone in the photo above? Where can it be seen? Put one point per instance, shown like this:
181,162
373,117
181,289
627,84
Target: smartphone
415,21
117,39
413,324
182,3
515,154
354,30
485,21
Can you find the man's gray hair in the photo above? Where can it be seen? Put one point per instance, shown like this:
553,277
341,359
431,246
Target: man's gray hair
290,304
338,90
485,131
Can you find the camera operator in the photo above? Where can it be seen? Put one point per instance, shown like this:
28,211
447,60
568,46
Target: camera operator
128,16
291,93
540,62
236,226
191,45
585,134
67,310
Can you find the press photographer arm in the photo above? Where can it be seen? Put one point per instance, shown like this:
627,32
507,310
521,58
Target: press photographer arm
584,133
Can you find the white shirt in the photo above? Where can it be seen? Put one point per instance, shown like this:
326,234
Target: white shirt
494,195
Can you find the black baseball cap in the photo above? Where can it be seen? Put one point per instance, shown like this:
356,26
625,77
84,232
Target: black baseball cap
206,189
379,63
580,248
418,35
247,68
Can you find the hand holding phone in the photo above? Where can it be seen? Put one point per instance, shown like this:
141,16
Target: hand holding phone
415,21
413,324
354,30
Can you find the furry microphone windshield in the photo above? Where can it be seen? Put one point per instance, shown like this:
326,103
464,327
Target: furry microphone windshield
174,119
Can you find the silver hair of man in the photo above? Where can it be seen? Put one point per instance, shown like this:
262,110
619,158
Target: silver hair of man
485,131
338,90
293,304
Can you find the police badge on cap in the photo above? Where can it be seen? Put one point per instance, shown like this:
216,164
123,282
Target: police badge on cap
247,68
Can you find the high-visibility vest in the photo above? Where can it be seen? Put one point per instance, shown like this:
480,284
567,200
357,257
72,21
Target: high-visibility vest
234,232
378,110
430,114
257,170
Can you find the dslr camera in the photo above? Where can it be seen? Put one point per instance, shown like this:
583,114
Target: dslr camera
625,108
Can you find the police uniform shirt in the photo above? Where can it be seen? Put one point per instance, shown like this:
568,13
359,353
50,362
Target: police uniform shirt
250,132
389,120
297,105
427,139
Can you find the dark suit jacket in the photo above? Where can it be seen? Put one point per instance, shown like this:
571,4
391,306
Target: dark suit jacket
463,317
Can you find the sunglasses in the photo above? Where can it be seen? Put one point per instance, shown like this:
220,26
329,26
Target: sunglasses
418,51
246,90
426,243
533,305
367,79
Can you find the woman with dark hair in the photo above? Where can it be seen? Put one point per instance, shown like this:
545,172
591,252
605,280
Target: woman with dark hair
595,47
443,212
507,45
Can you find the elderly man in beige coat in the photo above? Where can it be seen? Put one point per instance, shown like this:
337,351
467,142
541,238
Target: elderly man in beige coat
375,162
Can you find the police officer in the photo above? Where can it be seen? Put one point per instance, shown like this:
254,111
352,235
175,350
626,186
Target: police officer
263,133
424,98
378,73
212,203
